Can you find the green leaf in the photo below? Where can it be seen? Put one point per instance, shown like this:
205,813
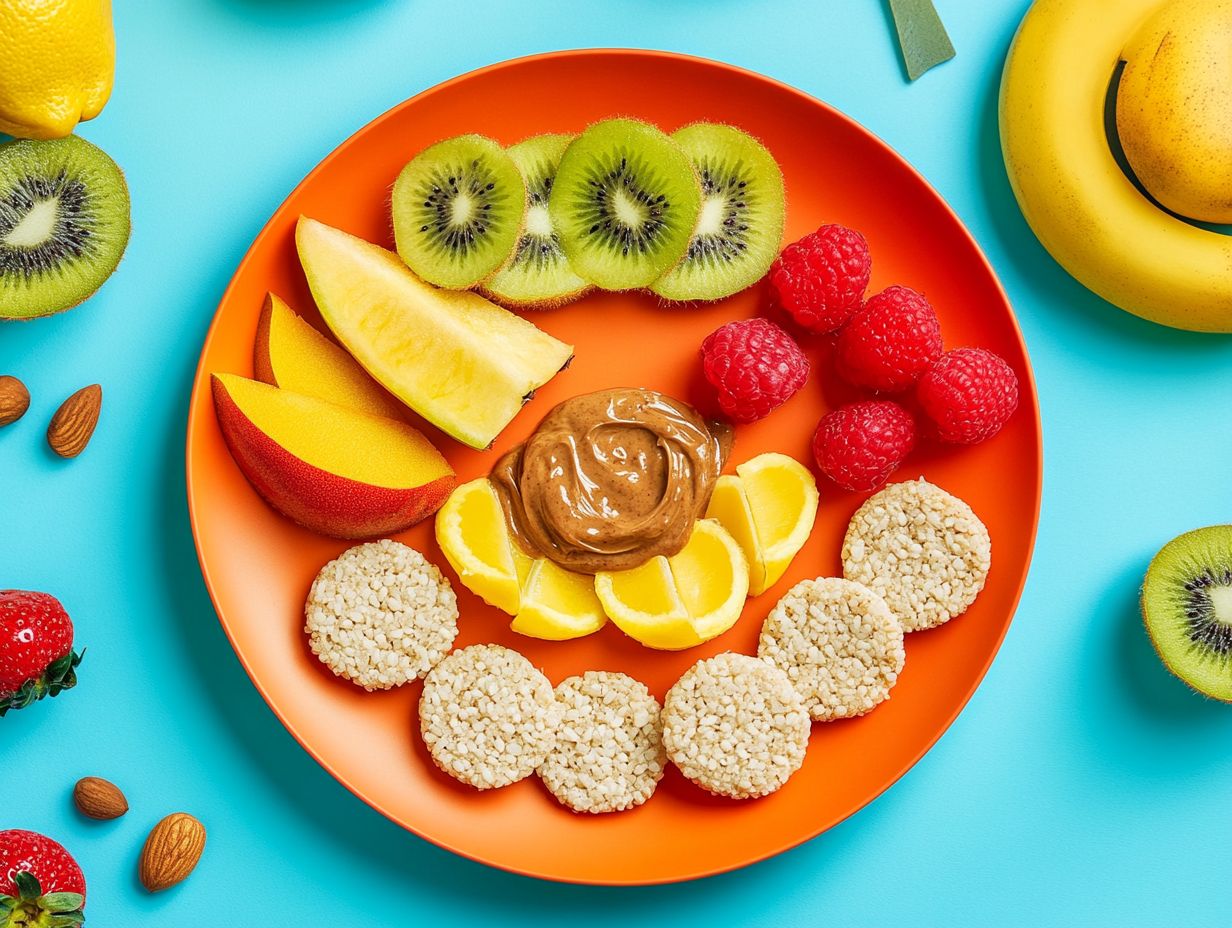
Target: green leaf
61,902
921,35
27,885
66,920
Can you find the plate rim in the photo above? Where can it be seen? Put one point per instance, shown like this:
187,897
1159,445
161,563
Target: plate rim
686,875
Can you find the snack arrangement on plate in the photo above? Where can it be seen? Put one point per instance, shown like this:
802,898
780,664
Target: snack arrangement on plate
626,503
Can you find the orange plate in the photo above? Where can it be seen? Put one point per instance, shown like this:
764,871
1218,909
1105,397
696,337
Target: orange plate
258,566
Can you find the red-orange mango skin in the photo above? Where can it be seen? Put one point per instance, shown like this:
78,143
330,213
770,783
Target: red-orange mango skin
321,501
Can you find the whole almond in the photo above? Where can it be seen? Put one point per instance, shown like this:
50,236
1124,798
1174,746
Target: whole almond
99,798
14,399
171,851
73,423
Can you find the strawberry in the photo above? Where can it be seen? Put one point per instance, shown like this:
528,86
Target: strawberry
36,649
41,886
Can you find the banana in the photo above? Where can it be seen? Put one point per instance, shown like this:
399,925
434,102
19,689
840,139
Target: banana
1075,196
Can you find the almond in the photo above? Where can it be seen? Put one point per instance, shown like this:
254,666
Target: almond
171,851
99,798
14,399
73,423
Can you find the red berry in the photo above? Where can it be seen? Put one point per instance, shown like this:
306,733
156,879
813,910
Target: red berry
968,394
45,868
820,280
859,445
890,342
755,366
36,648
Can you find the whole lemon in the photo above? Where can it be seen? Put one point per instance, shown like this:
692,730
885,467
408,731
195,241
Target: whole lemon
57,62
1174,107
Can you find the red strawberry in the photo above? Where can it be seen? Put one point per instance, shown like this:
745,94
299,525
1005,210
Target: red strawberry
859,445
40,883
36,649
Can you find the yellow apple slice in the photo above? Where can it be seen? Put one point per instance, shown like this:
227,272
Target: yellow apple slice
334,470
291,354
729,506
558,604
463,363
473,535
782,497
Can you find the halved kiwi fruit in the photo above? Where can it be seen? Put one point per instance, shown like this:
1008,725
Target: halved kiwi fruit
740,227
625,203
1187,608
64,224
538,276
457,211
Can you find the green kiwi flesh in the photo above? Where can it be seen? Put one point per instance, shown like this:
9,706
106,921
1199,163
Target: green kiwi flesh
1187,608
538,276
64,224
740,227
625,203
457,211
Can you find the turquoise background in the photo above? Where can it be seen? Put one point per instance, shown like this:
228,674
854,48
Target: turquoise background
1082,785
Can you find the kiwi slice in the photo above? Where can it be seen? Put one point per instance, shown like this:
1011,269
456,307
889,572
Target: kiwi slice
1187,608
64,224
538,276
740,227
457,211
625,203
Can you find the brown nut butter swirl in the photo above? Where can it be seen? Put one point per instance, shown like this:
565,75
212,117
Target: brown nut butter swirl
611,479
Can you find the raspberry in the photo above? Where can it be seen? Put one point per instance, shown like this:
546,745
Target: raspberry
820,280
890,342
755,366
968,394
859,445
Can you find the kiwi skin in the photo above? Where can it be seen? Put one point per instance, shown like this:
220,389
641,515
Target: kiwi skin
1168,628
107,192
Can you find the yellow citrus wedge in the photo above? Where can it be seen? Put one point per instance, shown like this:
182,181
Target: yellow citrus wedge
712,578
471,530
644,604
557,604
782,496
729,506
678,602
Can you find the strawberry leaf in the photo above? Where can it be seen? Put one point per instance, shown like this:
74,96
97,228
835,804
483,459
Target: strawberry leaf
61,902
66,920
27,885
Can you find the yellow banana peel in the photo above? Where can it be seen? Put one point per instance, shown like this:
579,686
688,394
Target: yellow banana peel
1074,195
57,64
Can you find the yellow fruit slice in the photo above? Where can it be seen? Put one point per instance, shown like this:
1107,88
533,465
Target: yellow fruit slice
557,604
471,530
729,506
463,363
644,604
712,578
782,496
678,602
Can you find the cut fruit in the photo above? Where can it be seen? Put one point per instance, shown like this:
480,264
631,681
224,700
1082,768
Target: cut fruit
782,495
740,226
291,354
729,506
558,605
457,211
471,530
461,362
679,602
334,470
1187,608
538,276
64,224
625,203
645,605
